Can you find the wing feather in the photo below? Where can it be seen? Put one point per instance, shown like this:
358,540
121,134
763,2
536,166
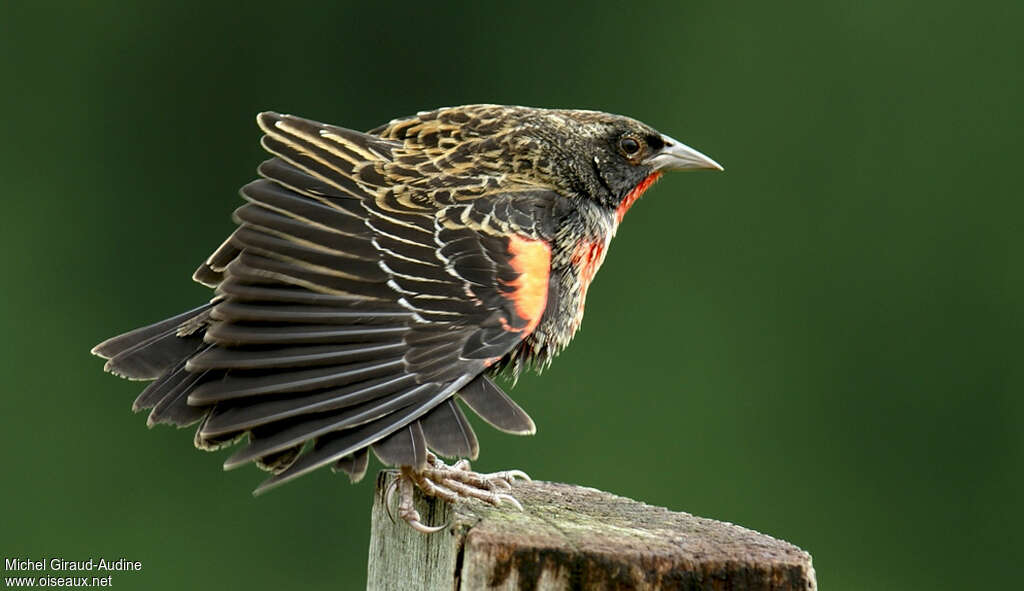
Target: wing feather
302,380
233,311
290,434
339,444
227,418
294,356
352,303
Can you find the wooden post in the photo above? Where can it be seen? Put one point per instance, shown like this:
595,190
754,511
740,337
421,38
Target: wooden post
572,537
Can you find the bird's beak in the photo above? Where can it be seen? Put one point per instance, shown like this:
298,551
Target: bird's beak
676,155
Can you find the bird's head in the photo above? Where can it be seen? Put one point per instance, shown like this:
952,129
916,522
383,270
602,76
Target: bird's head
600,156
588,154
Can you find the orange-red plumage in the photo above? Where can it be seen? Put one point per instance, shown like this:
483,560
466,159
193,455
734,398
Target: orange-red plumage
532,260
635,194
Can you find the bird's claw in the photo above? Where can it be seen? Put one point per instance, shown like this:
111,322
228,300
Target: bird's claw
413,519
453,484
511,501
406,511
389,494
509,476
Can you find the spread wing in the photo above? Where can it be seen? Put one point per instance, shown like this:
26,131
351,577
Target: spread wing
352,305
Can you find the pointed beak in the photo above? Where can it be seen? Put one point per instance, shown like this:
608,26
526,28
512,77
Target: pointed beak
676,155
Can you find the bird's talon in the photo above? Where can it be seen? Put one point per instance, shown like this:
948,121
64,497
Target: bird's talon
403,482
511,501
508,476
414,522
450,483
389,494
499,483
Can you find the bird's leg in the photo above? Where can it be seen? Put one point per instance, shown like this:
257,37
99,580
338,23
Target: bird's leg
453,484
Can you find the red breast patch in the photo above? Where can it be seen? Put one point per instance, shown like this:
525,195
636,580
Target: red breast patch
635,194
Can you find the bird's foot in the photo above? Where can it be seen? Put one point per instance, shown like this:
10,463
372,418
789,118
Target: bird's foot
451,483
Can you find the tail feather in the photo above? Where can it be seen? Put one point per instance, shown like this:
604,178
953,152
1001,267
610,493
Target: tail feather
159,352
354,465
159,388
449,433
173,407
147,353
494,406
405,447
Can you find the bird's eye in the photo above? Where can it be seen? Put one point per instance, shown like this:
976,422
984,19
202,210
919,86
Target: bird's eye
629,146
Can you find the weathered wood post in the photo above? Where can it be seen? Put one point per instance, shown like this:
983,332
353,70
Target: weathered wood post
572,537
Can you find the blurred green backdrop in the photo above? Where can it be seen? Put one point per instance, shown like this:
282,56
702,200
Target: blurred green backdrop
822,343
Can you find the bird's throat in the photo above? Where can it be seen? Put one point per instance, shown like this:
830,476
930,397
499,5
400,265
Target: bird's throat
635,194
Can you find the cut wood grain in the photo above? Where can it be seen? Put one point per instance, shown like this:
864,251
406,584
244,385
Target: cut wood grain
572,537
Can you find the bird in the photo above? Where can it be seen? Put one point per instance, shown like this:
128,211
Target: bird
379,281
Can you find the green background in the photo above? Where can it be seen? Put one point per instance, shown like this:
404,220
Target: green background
822,343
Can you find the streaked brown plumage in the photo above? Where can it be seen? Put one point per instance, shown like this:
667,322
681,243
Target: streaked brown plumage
377,277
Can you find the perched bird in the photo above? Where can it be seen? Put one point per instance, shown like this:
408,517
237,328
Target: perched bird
376,278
